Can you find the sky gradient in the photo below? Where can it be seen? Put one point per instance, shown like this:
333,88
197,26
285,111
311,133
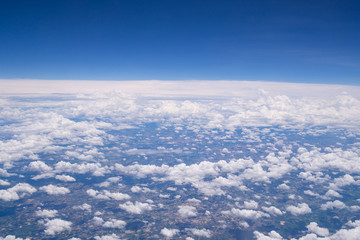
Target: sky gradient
291,41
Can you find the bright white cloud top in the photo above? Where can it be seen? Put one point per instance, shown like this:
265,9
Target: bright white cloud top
180,159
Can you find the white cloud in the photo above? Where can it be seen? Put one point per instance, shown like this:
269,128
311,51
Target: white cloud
301,208
251,204
57,225
331,205
94,168
114,223
187,211
283,186
85,207
46,213
4,183
200,232
246,213
39,166
105,194
12,237
169,233
273,210
318,233
16,192
108,237
314,228
54,190
65,178
271,236
332,193
136,208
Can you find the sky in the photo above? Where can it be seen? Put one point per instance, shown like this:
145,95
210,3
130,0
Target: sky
272,40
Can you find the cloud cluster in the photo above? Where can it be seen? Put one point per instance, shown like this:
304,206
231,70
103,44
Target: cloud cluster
300,209
46,213
54,190
105,194
246,213
111,223
187,211
57,225
136,208
16,192
169,233
351,231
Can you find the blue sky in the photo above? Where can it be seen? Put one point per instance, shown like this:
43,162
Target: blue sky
293,41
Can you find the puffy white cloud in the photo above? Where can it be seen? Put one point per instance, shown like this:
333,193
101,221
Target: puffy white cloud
4,183
200,232
54,190
12,237
187,211
246,213
332,193
98,220
105,194
272,210
331,205
251,204
314,228
318,233
271,236
16,192
169,233
39,166
114,223
46,213
237,171
301,208
57,225
108,237
85,207
283,186
136,208
94,168
65,178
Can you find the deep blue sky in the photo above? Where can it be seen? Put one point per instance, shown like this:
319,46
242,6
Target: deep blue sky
295,41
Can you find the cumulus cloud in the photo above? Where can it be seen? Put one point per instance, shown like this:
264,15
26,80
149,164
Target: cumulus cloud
331,205
105,194
16,192
319,233
246,213
46,213
65,178
57,225
136,208
332,193
314,228
301,208
251,204
85,207
4,183
54,190
200,232
271,236
12,237
169,233
195,174
114,223
272,210
108,237
94,168
187,211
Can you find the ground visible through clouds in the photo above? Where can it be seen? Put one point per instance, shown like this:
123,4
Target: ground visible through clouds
244,161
